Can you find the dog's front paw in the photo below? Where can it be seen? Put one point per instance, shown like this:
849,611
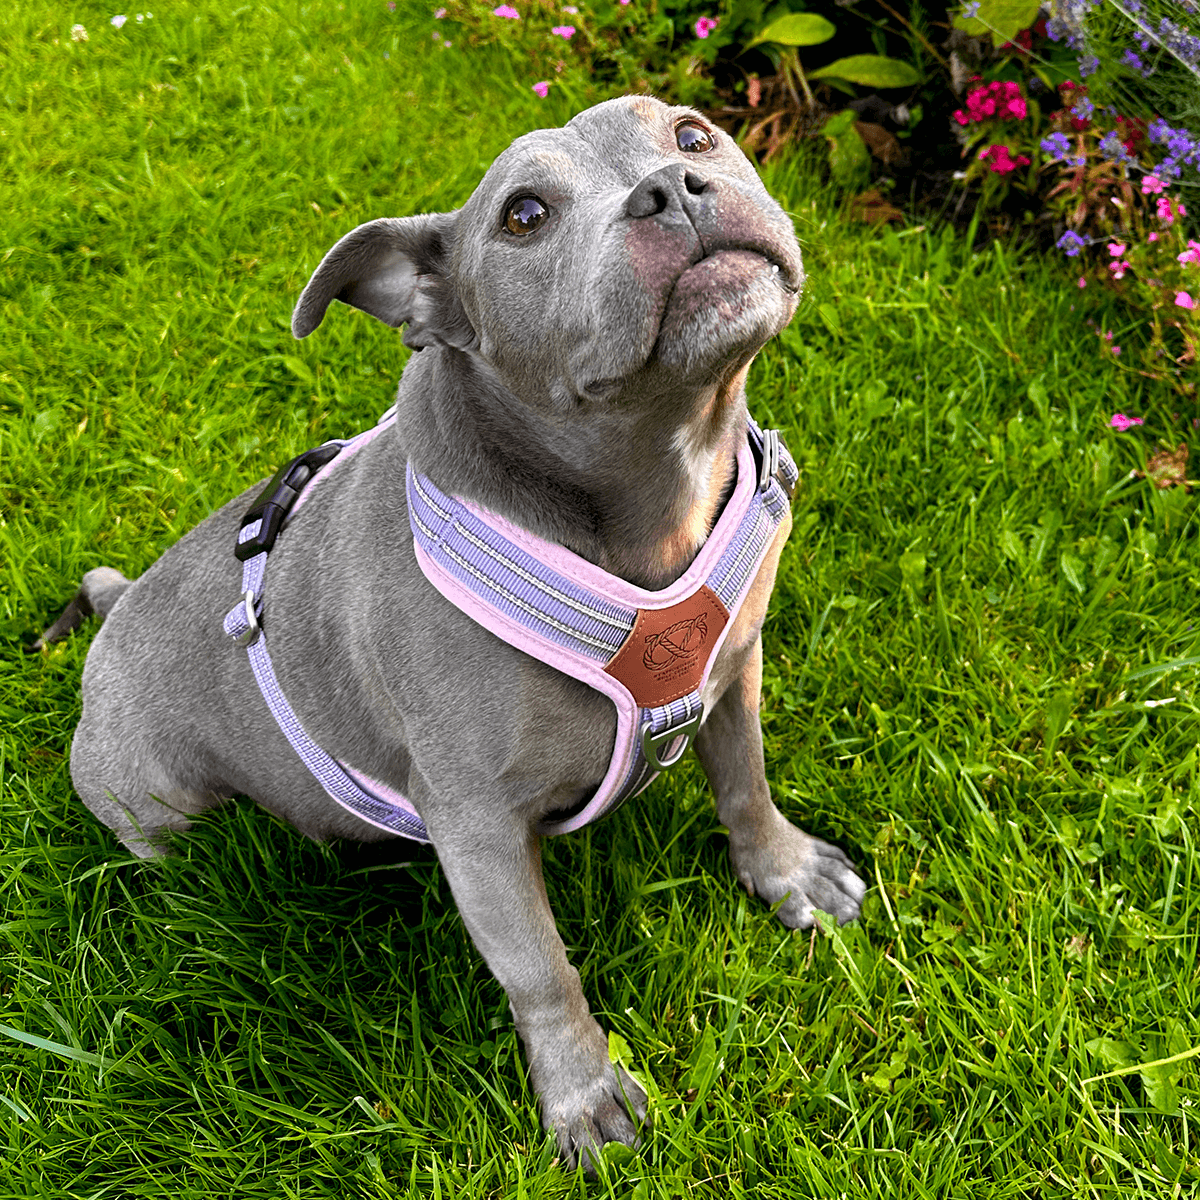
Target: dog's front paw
811,873
587,1116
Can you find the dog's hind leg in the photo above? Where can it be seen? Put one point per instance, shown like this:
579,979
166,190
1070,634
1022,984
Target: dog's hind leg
97,594
142,792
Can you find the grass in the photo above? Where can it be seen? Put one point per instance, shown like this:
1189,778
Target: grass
980,679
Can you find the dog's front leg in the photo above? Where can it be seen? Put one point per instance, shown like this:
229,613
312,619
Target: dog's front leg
496,878
771,857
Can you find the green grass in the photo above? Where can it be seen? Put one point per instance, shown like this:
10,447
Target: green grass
980,679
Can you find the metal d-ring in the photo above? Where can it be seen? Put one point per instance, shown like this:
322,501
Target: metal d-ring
253,630
653,742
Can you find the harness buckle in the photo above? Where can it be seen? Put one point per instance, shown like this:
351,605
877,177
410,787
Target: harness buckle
653,743
272,505
769,466
253,630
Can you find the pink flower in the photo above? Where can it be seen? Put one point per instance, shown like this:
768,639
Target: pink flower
1116,350
439,14
542,88
1183,300
506,10
570,8
1116,249
1120,422
1152,185
1083,281
566,32
1191,254
1118,269
705,26
1152,237
999,159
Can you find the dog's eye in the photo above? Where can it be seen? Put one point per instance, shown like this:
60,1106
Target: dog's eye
693,137
525,215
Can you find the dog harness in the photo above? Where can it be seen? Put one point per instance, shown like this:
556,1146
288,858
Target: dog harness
649,652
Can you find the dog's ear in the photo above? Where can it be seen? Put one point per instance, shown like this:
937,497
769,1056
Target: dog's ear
396,269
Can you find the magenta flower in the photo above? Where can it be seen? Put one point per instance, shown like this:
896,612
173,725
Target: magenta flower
705,26
1083,281
1120,422
1183,300
1191,254
506,10
1152,185
1116,249
542,87
566,32
999,159
1119,268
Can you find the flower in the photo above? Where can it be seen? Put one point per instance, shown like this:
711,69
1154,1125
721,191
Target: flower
1183,300
438,13
542,87
1152,185
1089,64
1118,269
1056,145
78,33
1070,243
1191,254
1120,422
566,32
1083,281
506,10
999,159
118,21
1116,249
570,8
705,26
971,11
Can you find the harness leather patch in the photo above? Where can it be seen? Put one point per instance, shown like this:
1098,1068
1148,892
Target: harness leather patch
666,652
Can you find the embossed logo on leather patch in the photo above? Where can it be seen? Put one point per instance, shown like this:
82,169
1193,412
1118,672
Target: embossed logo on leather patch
666,652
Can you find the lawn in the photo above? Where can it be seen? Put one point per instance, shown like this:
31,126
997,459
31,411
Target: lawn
980,680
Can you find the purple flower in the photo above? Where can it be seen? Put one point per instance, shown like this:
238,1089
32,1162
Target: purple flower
1113,148
1071,243
1089,64
971,11
542,88
1083,109
1056,145
705,26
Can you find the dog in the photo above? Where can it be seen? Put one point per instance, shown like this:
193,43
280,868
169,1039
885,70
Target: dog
582,330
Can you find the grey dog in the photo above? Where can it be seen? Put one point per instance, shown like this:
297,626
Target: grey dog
584,324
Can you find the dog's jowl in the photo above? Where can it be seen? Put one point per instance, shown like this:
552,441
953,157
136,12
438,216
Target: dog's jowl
497,614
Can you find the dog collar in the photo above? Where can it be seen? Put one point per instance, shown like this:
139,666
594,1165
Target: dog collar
650,652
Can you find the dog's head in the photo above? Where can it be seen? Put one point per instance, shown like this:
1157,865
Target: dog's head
591,259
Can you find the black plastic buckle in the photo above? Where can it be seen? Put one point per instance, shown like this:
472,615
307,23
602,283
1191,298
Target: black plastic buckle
275,501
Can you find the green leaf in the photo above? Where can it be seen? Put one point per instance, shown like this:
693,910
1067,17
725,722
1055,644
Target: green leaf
871,70
796,29
1111,1052
1003,19
849,159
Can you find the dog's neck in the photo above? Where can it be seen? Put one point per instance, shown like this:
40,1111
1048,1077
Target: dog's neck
623,488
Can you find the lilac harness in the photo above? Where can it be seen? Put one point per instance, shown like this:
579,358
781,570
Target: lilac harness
649,652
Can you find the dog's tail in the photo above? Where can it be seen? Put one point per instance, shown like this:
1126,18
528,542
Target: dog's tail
97,594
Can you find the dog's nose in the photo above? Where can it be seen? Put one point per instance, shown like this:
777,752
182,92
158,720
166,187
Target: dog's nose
672,195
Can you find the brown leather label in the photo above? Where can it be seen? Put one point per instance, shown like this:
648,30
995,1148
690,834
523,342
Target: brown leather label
666,652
